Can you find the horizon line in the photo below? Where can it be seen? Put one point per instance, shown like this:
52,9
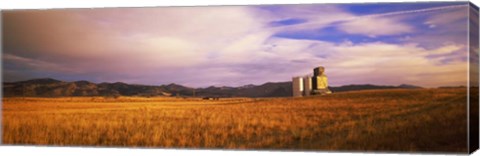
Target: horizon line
228,86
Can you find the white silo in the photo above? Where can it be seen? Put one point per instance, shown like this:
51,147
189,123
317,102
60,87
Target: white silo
297,86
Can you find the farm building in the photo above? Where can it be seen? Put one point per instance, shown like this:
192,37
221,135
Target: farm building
311,85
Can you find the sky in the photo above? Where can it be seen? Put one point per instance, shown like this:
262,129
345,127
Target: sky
421,44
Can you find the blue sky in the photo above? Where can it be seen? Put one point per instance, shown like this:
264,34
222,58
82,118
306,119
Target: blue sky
377,43
331,33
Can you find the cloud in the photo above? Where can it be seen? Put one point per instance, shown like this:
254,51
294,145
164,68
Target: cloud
132,41
391,22
442,27
313,17
375,26
379,63
447,16
35,64
346,63
228,45
372,25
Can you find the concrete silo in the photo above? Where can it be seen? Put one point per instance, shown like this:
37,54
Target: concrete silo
297,86
320,81
307,85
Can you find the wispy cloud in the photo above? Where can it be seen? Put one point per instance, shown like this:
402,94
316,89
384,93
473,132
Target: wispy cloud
383,63
375,26
34,64
370,25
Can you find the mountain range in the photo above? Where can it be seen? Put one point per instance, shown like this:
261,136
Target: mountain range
48,87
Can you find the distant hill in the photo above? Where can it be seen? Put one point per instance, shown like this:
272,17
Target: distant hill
47,87
369,87
278,89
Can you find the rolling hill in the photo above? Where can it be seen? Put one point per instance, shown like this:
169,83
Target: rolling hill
48,87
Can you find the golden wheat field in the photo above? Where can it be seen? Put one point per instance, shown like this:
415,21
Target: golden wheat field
377,120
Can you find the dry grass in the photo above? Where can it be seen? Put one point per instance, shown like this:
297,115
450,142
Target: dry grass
386,120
